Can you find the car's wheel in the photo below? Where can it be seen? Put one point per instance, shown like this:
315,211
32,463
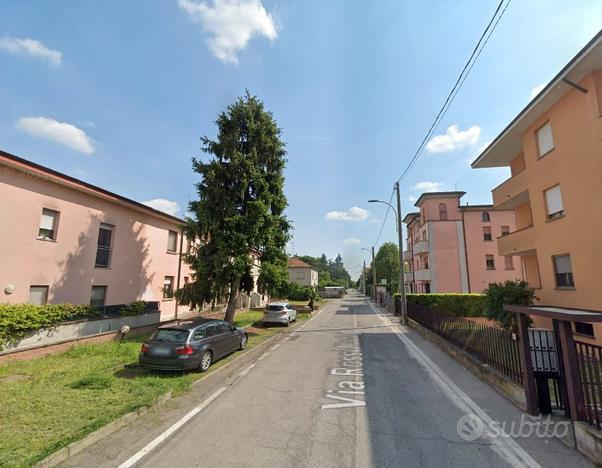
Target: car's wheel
243,342
287,323
206,360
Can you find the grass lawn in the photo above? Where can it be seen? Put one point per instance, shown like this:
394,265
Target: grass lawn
49,402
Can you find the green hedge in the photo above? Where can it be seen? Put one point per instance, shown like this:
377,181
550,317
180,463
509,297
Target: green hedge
20,320
459,304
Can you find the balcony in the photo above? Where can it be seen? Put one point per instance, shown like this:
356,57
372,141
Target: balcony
512,192
408,276
521,242
407,256
422,275
421,247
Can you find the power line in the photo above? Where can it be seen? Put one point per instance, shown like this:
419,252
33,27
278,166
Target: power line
382,226
459,82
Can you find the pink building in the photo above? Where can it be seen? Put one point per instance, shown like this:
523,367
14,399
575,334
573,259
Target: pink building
452,248
64,240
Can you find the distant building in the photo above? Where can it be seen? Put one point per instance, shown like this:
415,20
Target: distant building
302,273
554,151
452,248
64,240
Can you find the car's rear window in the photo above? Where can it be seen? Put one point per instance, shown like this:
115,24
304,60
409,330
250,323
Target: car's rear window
275,308
171,335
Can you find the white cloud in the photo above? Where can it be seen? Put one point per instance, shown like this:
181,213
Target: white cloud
166,206
535,91
31,47
427,186
453,139
352,214
231,24
352,241
60,132
374,221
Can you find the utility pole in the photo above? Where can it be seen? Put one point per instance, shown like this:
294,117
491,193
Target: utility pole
402,286
364,278
373,276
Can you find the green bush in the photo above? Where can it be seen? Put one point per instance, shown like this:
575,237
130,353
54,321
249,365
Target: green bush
20,320
458,304
510,293
295,292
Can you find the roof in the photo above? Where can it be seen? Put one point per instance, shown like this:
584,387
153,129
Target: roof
295,262
189,324
425,195
507,145
410,216
559,313
29,167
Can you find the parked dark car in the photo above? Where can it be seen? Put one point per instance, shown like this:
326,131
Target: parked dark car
192,344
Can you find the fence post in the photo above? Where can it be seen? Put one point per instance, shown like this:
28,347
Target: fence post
525,355
571,369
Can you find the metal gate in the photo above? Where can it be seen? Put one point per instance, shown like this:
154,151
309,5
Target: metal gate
546,360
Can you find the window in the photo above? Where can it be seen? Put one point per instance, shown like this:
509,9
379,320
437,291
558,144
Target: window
584,328
98,296
103,251
554,202
563,271
189,243
186,279
212,330
199,334
545,142
224,327
172,241
508,263
505,230
48,224
300,275
442,211
487,233
485,217
38,295
168,287
490,262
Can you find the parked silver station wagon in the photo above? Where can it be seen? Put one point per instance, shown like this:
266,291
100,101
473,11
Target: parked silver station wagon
279,312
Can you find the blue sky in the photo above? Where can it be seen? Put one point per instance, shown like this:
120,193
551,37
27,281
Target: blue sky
118,93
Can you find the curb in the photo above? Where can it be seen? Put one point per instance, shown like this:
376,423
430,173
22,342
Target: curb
74,448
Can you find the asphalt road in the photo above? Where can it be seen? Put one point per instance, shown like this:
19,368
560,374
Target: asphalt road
347,388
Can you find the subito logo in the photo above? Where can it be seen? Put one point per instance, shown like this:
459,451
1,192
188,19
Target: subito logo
470,427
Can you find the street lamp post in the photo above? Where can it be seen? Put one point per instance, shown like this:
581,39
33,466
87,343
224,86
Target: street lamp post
402,288
371,250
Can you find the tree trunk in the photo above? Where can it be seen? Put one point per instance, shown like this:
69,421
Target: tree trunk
231,307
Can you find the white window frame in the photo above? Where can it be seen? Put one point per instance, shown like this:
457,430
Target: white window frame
41,288
53,216
169,237
545,139
554,204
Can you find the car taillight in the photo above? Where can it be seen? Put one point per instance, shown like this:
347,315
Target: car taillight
145,348
184,349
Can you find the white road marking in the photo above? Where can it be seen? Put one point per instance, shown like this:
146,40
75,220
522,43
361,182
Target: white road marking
160,438
245,371
506,447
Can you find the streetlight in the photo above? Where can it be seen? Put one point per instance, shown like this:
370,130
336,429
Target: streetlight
402,288
371,250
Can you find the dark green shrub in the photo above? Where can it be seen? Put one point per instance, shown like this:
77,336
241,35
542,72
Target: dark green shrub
458,304
135,308
510,293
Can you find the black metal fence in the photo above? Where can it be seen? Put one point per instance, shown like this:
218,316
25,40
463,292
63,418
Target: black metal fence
491,345
116,310
590,370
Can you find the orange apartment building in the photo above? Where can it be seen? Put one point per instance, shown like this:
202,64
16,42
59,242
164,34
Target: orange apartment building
554,151
451,248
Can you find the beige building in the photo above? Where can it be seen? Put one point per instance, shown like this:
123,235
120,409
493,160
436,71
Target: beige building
302,273
554,151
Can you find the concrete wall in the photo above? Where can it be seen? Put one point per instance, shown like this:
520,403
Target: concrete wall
139,258
81,328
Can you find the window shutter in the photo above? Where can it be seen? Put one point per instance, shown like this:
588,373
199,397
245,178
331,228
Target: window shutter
563,264
47,220
554,200
38,295
545,141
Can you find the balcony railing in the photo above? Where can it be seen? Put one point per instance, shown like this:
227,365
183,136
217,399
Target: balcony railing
408,276
422,275
421,247
517,242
